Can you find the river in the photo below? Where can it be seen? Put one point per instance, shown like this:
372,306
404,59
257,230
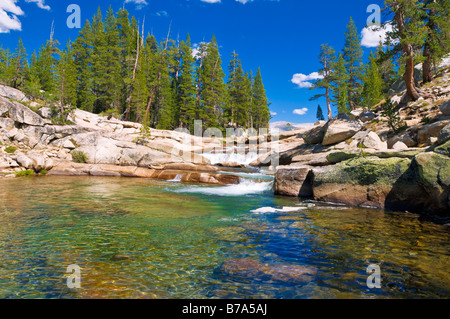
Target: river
140,238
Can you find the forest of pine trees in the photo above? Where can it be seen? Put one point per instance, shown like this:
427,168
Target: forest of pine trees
421,35
113,68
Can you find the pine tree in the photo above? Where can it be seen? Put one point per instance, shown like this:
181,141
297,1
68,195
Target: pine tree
437,42
45,67
151,65
67,87
32,83
210,84
97,59
111,66
247,102
7,71
166,93
235,110
353,54
339,85
20,66
3,63
409,27
260,103
373,83
187,86
319,114
326,58
384,60
82,50
127,57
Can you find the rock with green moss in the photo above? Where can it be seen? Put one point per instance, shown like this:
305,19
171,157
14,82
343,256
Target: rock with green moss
370,181
443,149
434,174
338,157
417,185
366,171
410,153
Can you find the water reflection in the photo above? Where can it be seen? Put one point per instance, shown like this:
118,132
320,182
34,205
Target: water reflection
137,238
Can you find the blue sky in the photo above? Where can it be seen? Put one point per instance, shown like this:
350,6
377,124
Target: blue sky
283,37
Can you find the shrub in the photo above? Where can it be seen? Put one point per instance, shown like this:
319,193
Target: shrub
43,172
28,172
425,120
393,118
10,149
79,157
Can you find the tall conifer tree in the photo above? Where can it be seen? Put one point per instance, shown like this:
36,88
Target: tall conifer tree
353,54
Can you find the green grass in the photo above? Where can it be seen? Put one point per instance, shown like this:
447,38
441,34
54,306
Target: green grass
28,172
73,142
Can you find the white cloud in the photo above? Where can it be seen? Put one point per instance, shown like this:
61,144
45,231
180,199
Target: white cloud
302,111
40,3
373,35
218,1
302,80
8,16
162,14
9,11
273,113
196,50
139,3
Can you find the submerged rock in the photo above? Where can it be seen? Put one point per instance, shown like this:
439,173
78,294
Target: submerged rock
120,257
231,234
252,269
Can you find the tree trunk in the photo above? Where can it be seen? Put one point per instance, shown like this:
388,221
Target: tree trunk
408,52
150,101
411,90
330,115
427,72
127,115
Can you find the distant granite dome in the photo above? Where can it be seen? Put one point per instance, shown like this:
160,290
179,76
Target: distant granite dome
283,127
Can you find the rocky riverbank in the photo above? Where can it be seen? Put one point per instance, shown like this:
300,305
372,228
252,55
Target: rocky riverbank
97,145
352,159
358,160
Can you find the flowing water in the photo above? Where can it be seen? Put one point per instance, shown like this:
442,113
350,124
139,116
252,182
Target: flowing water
140,238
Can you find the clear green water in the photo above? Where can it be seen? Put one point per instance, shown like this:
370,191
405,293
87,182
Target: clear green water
176,237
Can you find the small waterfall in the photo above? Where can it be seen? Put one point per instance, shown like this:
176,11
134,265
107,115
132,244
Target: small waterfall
240,155
245,187
177,178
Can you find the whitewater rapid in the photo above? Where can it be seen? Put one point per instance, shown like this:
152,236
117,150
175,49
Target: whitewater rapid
245,187
232,155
